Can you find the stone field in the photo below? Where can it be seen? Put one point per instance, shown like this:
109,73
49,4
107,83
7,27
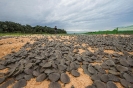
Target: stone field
66,61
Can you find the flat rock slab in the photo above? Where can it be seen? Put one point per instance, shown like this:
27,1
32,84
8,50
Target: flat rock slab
7,83
110,84
121,68
41,77
128,77
99,84
28,77
28,71
104,78
64,78
75,73
124,63
21,83
54,85
36,73
53,77
125,83
91,70
110,63
2,79
46,65
113,78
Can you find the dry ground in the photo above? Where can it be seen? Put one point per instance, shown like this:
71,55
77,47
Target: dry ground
9,45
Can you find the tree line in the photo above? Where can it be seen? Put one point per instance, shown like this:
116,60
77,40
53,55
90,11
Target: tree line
12,27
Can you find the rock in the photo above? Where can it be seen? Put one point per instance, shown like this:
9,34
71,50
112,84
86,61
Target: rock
54,85
121,68
75,73
73,66
62,67
104,78
21,83
20,76
48,71
48,64
91,86
36,73
28,77
110,84
125,83
113,78
95,77
64,78
110,62
124,62
104,66
2,67
28,71
128,77
99,84
2,80
41,77
7,83
91,70
53,77
114,72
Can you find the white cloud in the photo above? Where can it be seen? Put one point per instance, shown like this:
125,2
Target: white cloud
69,15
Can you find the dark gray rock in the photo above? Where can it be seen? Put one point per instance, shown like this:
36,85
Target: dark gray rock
73,66
7,83
36,73
99,84
28,77
124,62
64,78
20,76
110,84
21,83
121,68
62,67
113,78
91,70
48,71
48,64
125,83
41,77
28,71
2,79
2,67
95,77
53,77
75,73
54,85
113,72
104,78
110,62
91,86
128,77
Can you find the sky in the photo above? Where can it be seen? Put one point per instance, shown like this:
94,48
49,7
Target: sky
71,15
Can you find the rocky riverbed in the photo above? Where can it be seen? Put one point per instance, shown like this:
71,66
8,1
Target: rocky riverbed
72,61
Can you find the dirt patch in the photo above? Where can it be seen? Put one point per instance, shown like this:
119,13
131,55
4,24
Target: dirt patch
12,45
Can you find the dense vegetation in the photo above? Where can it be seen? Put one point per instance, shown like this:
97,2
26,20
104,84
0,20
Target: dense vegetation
115,31
12,27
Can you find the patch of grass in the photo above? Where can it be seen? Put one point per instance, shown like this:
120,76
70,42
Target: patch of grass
110,32
13,34
23,34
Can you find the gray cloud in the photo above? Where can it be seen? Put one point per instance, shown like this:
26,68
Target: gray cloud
82,15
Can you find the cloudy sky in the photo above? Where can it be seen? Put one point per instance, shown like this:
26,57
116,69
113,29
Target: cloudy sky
71,15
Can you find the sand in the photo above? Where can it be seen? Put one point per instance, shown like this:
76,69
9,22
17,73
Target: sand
10,45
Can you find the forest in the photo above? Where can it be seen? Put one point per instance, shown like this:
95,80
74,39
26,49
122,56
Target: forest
12,27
